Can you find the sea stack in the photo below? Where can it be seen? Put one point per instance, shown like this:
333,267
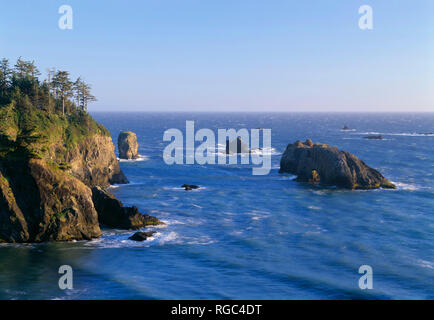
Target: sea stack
127,145
323,164
236,146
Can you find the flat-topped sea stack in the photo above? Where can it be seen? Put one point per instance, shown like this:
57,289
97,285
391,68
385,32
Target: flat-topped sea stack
323,164
127,145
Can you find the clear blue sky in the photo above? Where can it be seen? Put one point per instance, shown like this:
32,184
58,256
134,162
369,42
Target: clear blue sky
233,55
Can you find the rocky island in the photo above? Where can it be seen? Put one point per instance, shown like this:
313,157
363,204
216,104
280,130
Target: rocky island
127,145
55,162
236,146
323,164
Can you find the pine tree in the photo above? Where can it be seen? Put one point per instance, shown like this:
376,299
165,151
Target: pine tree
82,94
64,86
5,77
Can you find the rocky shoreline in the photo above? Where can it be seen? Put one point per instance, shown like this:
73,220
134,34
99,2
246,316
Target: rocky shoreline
53,185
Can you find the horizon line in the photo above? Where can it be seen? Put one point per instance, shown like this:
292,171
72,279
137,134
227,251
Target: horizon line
197,111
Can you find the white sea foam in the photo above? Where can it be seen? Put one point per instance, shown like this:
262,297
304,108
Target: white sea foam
166,238
314,208
266,151
369,132
201,241
221,150
405,134
182,189
257,215
120,240
172,221
182,221
140,158
425,264
287,176
406,186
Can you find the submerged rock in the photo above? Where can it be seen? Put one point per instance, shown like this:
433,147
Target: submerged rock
127,145
188,187
326,165
142,235
236,146
112,213
374,137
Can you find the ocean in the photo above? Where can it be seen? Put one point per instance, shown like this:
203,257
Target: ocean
242,236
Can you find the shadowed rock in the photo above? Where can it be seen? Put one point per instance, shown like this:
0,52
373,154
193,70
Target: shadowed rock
142,235
374,137
323,164
127,145
236,146
112,213
188,187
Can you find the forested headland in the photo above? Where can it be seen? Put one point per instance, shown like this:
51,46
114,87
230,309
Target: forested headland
57,93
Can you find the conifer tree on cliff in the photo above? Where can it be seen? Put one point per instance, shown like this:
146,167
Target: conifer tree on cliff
82,94
77,90
5,72
87,96
26,70
25,77
62,83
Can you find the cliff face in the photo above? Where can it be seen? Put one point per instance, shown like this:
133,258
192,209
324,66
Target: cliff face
48,165
326,165
94,162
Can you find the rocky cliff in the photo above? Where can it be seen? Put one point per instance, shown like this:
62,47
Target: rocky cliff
112,213
324,164
48,165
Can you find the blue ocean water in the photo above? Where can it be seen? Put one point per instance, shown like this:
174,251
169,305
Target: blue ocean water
254,237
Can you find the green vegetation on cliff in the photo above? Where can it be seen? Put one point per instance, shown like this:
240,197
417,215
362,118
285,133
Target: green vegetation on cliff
51,154
33,122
